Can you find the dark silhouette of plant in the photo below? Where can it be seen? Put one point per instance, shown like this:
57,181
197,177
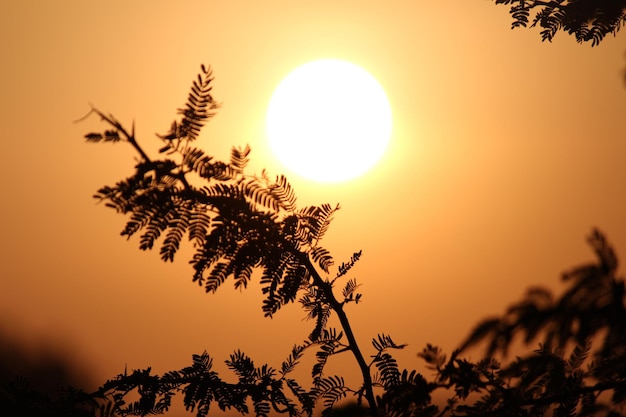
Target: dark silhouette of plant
239,223
587,20
40,385
590,312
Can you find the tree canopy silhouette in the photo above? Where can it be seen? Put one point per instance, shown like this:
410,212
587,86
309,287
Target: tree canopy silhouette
587,20
239,223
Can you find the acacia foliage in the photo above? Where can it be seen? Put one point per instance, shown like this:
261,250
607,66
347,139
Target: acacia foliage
587,20
577,369
238,223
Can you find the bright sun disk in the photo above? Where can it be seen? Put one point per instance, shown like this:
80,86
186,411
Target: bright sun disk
329,121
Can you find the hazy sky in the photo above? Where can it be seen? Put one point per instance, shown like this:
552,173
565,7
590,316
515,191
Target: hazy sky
505,152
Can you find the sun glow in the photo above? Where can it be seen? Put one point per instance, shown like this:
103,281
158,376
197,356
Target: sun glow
329,121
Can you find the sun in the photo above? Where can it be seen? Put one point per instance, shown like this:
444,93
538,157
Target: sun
329,121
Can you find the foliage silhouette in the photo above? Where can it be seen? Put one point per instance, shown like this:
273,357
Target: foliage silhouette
239,223
587,20
40,383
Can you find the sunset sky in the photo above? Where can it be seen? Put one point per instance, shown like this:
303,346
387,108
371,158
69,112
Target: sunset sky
505,152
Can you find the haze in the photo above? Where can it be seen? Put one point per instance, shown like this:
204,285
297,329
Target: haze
505,152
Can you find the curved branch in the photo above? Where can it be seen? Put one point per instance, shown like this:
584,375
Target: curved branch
318,281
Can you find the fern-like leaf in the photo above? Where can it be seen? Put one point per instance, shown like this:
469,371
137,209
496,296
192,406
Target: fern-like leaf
283,193
578,355
383,342
177,228
199,223
345,267
239,159
294,358
388,368
329,340
307,400
314,222
349,291
216,277
243,367
330,389
322,257
200,106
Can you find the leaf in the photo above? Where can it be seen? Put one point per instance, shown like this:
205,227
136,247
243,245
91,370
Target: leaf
384,341
350,288
216,277
111,136
242,276
283,193
177,228
345,267
578,355
200,106
314,222
322,257
587,20
294,357
321,312
433,356
243,367
93,137
330,389
294,278
239,158
304,397
199,223
328,341
388,368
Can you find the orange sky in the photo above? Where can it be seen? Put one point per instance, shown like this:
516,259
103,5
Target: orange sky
505,152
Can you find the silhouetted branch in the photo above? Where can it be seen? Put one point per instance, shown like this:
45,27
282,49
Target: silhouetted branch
240,223
337,307
113,122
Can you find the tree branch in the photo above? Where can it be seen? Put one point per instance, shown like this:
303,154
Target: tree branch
347,328
130,137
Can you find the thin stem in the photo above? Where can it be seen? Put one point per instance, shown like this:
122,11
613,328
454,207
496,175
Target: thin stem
130,137
337,307
347,328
